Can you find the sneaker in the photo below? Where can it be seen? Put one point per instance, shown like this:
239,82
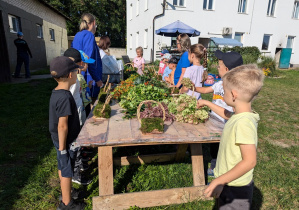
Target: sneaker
72,205
81,180
86,150
210,172
76,194
84,167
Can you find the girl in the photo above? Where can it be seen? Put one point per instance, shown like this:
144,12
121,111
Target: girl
139,60
196,73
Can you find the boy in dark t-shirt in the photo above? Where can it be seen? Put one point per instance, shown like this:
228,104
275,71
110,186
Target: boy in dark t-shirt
64,125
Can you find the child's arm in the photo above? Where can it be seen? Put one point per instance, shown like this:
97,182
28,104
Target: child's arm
248,162
225,114
204,89
90,84
143,67
62,132
181,77
184,89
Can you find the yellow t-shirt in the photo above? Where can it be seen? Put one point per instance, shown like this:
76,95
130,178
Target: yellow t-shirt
239,129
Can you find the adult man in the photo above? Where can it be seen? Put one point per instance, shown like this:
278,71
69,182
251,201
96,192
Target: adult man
22,56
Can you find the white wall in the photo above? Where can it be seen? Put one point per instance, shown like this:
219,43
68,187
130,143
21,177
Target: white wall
254,24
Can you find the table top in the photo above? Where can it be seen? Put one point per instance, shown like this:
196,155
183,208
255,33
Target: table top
117,131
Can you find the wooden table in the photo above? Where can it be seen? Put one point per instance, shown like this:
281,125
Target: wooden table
119,132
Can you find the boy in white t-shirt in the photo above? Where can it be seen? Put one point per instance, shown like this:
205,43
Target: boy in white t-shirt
226,62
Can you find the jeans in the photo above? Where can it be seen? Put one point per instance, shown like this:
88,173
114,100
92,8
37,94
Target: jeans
22,58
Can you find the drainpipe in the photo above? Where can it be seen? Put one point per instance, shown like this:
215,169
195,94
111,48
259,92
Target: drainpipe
163,5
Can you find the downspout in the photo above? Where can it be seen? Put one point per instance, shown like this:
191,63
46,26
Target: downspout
163,5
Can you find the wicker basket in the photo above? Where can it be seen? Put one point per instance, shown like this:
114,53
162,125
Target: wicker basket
178,94
155,131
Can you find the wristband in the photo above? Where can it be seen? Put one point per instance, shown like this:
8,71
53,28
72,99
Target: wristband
63,152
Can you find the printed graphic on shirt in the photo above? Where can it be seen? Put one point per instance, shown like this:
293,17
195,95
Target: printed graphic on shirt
218,96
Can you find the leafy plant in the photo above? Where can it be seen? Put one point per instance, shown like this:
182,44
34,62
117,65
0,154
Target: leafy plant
124,87
187,83
251,54
156,111
268,63
97,112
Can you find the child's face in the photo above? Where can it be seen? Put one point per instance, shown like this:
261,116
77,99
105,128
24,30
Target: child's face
172,66
227,97
222,69
178,44
138,52
73,77
165,60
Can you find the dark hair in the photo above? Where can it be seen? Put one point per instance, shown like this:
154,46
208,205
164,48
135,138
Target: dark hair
104,42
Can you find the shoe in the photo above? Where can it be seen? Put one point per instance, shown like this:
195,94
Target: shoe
210,172
81,180
75,194
72,205
84,167
86,150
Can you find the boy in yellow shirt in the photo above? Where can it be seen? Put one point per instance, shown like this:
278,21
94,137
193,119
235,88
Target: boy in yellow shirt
236,158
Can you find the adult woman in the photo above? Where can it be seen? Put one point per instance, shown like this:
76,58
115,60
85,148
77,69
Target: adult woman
85,41
183,44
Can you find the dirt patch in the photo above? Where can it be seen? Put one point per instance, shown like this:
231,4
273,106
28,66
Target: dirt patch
53,181
280,144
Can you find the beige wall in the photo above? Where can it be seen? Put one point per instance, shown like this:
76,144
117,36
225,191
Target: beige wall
57,47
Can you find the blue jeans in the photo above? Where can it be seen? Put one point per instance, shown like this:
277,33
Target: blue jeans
22,58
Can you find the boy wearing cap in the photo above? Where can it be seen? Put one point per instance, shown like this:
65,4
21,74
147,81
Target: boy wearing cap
64,125
169,75
22,56
226,62
163,64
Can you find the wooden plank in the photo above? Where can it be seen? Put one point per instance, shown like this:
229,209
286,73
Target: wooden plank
197,165
149,198
105,168
181,152
142,159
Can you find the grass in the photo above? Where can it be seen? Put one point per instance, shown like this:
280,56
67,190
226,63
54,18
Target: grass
28,167
42,71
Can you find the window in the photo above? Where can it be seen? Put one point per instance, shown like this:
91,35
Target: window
131,41
180,3
14,24
137,8
39,29
242,6
271,8
52,34
145,38
266,42
173,42
290,41
137,39
296,9
145,5
239,37
208,4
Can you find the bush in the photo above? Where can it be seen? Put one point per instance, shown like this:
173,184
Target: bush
268,63
251,54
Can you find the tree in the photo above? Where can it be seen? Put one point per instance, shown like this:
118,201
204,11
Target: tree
110,17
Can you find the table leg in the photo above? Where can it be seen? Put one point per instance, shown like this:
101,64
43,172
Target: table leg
105,163
181,152
197,165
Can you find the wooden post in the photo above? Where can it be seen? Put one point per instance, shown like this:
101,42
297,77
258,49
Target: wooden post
105,161
181,152
197,165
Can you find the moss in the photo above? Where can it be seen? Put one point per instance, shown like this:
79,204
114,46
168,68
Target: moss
98,108
150,124
102,96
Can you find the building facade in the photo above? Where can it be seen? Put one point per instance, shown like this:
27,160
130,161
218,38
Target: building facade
44,30
269,25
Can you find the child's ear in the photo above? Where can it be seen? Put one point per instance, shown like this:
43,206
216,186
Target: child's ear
234,94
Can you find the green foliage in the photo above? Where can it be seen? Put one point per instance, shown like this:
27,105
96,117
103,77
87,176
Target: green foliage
150,124
98,108
102,96
156,63
129,71
268,63
251,54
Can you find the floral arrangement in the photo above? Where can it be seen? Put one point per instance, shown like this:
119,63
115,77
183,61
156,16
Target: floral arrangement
266,71
124,87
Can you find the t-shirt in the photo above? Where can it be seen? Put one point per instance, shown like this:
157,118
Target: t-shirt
138,61
218,100
162,67
76,91
194,73
239,129
85,90
102,53
183,63
63,104
166,73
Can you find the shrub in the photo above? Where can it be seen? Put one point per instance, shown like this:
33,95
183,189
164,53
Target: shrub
251,54
268,63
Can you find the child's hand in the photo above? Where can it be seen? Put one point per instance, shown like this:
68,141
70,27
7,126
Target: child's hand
214,189
201,103
90,83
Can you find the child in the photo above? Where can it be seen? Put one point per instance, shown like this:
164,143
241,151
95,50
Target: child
64,125
139,61
226,62
195,72
237,152
172,63
163,63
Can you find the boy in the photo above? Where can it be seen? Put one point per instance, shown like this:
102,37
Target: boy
226,62
237,152
64,125
169,75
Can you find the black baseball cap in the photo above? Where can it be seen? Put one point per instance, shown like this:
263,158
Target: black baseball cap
173,60
230,59
61,66
73,53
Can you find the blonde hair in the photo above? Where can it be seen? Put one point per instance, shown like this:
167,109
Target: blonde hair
141,50
248,79
86,19
200,52
185,42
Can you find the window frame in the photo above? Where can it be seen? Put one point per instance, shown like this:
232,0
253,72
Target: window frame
137,8
11,25
145,5
50,30
293,39
131,41
131,11
137,39
178,4
296,9
269,42
242,37
39,28
270,9
240,7
207,5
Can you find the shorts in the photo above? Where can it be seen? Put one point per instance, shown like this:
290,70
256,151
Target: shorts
236,197
66,162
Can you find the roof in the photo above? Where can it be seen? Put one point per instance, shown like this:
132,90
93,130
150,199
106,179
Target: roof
226,42
54,9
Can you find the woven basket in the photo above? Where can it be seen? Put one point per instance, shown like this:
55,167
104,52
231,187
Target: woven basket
178,94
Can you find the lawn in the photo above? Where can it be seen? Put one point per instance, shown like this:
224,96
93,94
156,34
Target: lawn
28,170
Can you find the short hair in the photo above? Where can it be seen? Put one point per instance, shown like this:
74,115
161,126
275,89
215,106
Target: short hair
246,78
141,49
104,43
184,41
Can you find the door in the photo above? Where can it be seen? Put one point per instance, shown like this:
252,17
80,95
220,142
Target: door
4,61
285,57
